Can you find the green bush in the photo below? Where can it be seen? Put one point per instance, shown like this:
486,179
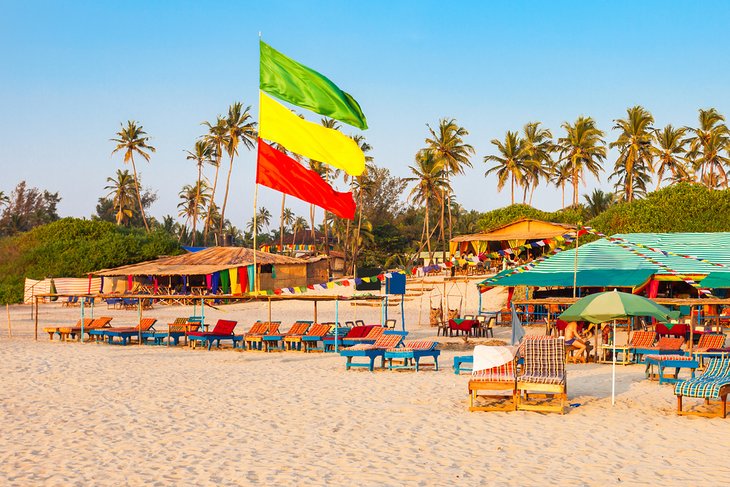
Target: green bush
508,214
684,207
73,248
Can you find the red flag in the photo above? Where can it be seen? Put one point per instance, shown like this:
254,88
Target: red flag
278,171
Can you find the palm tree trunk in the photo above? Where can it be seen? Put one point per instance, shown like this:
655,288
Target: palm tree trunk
356,242
428,236
449,206
212,197
281,224
326,244
225,197
532,192
139,196
512,189
575,186
524,194
311,218
562,187
197,202
443,230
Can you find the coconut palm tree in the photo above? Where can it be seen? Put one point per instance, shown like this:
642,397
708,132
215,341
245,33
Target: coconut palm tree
539,149
670,152
202,153
431,186
710,139
217,137
598,202
240,128
287,218
453,154
511,163
583,149
133,140
358,184
559,176
193,200
122,192
299,225
263,216
635,161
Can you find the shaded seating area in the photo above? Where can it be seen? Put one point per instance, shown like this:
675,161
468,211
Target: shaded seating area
543,376
411,353
494,373
712,386
223,330
389,340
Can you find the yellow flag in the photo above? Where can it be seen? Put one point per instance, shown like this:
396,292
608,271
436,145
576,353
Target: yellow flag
279,124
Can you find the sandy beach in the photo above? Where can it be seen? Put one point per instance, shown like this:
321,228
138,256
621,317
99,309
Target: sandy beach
93,414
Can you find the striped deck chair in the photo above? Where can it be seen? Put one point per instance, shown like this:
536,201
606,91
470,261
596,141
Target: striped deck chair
677,361
664,346
640,340
307,341
179,328
294,336
543,373
254,339
52,330
274,341
497,380
411,353
126,334
708,346
373,334
96,324
371,351
712,385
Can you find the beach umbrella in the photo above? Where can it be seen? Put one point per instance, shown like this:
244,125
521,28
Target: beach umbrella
610,306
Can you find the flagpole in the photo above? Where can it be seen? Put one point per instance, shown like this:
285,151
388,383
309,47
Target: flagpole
255,199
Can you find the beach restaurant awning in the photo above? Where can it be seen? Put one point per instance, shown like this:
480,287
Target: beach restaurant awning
716,280
603,255
589,278
524,229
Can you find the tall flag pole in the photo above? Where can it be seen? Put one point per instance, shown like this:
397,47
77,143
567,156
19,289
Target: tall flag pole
292,82
255,284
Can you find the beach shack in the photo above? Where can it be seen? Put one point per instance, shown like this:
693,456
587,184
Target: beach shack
518,233
216,270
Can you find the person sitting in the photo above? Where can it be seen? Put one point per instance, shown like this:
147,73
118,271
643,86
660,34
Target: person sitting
574,339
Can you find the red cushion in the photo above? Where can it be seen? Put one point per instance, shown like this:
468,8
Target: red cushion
223,327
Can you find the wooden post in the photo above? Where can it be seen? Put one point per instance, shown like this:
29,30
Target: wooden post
10,330
36,318
315,311
269,310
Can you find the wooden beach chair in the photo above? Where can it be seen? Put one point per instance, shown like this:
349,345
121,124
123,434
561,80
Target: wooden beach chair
373,333
126,334
100,323
707,343
387,341
278,341
499,381
179,328
713,386
223,330
664,346
52,330
254,339
543,375
346,337
411,353
316,333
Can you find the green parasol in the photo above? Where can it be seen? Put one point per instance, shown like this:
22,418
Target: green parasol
610,306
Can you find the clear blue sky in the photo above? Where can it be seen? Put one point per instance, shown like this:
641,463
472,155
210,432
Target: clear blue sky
72,71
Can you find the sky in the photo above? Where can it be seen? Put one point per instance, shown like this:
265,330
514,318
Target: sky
72,72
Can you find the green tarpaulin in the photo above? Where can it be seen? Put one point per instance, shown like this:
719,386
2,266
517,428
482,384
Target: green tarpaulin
589,278
716,280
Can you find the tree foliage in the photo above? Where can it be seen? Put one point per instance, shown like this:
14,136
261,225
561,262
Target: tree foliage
27,208
72,248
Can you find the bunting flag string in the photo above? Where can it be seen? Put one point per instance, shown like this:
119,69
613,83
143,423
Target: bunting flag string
288,247
625,244
323,285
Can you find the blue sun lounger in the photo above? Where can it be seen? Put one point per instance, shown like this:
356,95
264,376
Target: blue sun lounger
411,354
387,341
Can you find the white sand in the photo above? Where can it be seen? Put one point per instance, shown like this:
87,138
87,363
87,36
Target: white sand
93,414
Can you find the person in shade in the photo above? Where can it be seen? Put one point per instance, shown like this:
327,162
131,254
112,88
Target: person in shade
574,338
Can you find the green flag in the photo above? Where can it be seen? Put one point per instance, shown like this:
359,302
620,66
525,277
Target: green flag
291,81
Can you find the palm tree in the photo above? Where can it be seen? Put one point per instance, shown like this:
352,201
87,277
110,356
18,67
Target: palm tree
510,163
450,151
133,140
359,184
598,202
582,149
287,218
121,190
264,217
431,186
670,151
193,200
217,136
299,224
202,153
709,140
635,160
539,160
560,176
239,129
